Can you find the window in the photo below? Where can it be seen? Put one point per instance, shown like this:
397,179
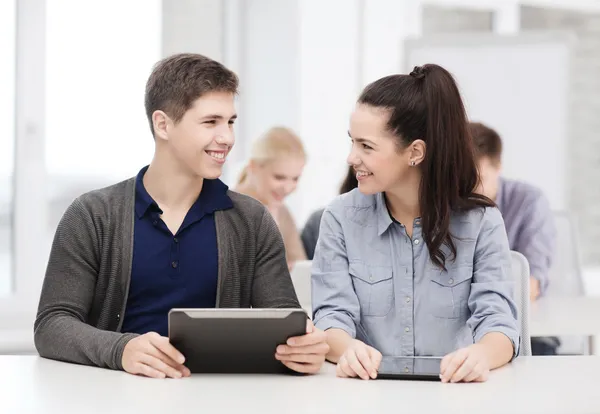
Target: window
75,104
7,139
96,128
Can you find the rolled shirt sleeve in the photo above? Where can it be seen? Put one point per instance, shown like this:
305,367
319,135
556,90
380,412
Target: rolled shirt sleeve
491,301
335,304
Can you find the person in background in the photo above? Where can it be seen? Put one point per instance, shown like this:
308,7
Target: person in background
276,163
310,232
414,262
527,216
174,236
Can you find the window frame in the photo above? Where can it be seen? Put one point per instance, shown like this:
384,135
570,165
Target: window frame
29,213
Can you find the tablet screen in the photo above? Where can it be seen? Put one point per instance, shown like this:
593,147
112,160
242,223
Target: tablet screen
406,367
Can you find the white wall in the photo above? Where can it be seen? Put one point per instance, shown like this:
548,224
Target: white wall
329,82
499,88
343,45
95,90
385,24
7,120
304,64
81,78
269,87
192,26
299,68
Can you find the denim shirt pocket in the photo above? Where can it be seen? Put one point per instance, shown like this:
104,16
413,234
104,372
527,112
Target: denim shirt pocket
374,287
450,290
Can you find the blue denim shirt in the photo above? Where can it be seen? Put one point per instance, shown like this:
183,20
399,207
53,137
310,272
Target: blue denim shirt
379,285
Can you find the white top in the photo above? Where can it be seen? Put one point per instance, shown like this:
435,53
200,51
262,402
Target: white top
32,384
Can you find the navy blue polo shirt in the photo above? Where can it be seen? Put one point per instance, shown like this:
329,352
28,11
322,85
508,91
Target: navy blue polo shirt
173,270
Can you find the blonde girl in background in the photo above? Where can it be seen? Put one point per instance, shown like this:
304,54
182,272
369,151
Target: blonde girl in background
276,163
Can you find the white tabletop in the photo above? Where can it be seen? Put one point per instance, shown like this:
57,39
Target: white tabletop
556,316
529,385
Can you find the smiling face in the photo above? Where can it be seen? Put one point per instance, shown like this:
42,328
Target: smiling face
375,156
203,137
276,179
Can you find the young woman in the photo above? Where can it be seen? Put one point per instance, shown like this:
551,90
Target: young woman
275,166
414,262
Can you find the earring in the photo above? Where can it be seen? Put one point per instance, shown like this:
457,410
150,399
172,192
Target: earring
412,163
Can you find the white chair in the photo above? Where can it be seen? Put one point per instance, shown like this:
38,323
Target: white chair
566,275
301,274
520,271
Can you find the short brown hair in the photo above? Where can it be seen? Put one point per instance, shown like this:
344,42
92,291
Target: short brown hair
487,142
178,80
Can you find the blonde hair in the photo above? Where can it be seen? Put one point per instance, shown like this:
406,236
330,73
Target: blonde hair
277,142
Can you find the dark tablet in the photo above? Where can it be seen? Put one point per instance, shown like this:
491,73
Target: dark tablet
410,368
234,340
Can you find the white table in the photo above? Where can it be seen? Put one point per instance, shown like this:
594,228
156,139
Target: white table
529,385
555,316
558,316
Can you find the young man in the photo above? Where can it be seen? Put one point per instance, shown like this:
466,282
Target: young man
527,217
174,236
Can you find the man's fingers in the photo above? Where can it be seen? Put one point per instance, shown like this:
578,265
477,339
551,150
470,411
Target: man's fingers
320,348
162,343
157,353
148,371
301,358
302,368
315,337
310,327
158,365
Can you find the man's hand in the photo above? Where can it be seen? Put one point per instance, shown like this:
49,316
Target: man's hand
153,356
534,288
360,360
305,353
468,364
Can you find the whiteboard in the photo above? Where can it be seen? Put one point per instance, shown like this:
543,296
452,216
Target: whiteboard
519,86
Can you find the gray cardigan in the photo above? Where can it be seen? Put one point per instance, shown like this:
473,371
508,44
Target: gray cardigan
86,285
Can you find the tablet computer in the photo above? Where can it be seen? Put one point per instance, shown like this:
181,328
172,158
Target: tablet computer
410,368
234,340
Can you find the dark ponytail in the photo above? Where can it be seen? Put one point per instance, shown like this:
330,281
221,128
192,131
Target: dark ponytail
427,105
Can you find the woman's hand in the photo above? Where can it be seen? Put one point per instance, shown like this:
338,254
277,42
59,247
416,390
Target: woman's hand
360,360
468,364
